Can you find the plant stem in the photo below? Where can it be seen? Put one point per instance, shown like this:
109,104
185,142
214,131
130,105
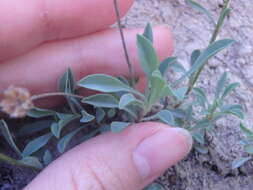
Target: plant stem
45,95
14,162
130,68
213,38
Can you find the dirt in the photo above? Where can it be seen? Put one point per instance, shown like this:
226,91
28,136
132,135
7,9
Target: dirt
193,30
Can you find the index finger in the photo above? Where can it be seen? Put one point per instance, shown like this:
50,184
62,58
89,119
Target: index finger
26,24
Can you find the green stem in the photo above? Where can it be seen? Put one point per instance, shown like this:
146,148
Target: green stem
45,95
213,38
14,162
130,68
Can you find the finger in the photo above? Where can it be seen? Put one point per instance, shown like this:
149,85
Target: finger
25,24
129,160
97,53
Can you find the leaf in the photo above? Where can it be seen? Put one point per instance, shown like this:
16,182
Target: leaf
157,83
201,149
202,124
129,99
4,129
147,55
221,85
86,117
111,113
40,113
177,67
148,33
166,116
100,114
194,56
34,127
249,149
47,157
65,119
240,161
165,64
247,132
117,127
199,137
222,17
229,89
67,82
201,95
64,141
101,100
105,83
211,50
235,110
201,9
31,161
36,144
180,93
178,113
154,186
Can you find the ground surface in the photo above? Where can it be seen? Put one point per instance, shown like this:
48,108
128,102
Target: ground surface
192,30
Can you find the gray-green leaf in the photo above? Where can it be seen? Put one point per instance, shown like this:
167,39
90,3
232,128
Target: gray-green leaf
147,55
116,126
148,33
36,144
102,100
47,157
211,50
86,117
4,129
221,85
240,161
129,99
32,161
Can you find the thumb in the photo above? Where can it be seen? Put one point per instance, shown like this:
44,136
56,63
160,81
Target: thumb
129,160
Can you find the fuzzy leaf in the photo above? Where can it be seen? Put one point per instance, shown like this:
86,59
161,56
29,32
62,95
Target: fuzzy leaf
229,89
148,33
235,110
165,64
117,127
47,157
211,50
4,129
129,99
201,9
247,132
36,144
199,137
202,124
201,149
111,113
86,117
40,113
64,141
249,149
147,55
32,161
180,93
166,116
157,83
240,161
221,85
222,17
105,83
67,82
102,100
201,96
100,114
194,56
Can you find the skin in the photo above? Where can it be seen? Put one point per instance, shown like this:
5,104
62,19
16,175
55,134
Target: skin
39,40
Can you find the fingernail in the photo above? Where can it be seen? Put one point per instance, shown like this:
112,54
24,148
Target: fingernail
161,150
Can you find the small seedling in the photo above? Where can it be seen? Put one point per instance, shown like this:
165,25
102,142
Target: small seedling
119,104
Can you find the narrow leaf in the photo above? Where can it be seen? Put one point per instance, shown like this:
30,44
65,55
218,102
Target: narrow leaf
201,9
62,144
117,127
166,117
180,93
40,113
100,114
229,89
4,129
102,100
221,85
47,157
194,56
36,144
147,55
32,161
240,161
148,33
165,64
212,50
86,117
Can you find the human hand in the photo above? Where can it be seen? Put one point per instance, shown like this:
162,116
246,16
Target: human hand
38,41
